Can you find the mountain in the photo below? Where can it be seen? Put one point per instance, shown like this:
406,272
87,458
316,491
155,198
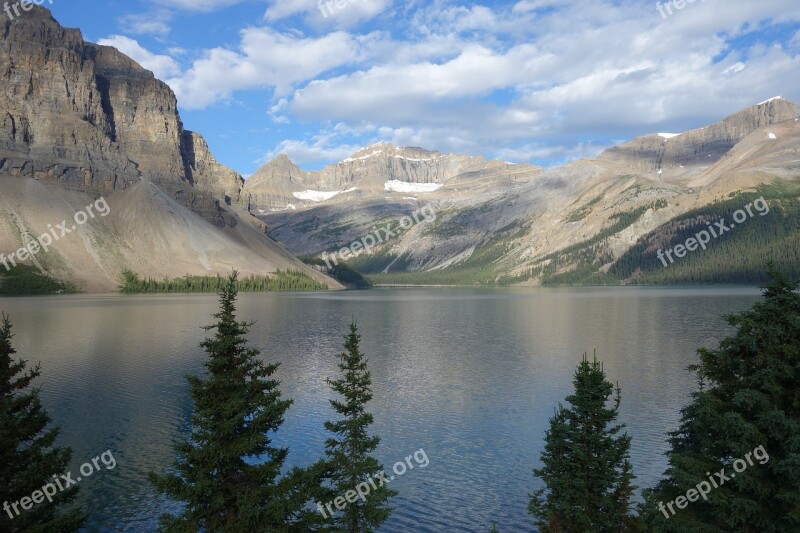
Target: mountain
502,223
700,147
280,185
78,122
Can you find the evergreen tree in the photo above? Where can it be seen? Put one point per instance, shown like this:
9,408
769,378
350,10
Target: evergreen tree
748,398
349,451
28,457
228,472
586,466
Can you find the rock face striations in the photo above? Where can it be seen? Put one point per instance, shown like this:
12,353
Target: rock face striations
79,120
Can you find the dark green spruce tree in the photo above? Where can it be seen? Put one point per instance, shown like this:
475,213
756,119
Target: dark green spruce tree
228,473
748,398
349,451
586,467
28,457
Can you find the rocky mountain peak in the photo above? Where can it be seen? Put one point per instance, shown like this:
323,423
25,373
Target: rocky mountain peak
698,147
387,150
91,118
279,171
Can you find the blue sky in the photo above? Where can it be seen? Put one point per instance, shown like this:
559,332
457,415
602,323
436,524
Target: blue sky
540,81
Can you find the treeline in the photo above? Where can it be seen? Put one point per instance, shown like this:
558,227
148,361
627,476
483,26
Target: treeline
480,268
279,281
21,280
736,257
340,272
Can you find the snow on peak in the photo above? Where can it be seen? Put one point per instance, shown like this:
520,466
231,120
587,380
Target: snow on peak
668,135
406,187
770,100
363,157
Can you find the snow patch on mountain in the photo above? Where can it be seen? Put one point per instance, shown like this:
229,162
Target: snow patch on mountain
770,100
406,187
319,196
362,158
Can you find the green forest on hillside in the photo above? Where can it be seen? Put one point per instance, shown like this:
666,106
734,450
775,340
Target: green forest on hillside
279,281
24,280
738,256
340,272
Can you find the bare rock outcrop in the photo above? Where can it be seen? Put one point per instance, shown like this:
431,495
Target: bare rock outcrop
93,119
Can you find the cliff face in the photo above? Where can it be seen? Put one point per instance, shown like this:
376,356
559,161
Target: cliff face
78,121
407,164
55,122
93,119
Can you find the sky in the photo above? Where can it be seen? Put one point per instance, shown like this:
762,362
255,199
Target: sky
539,81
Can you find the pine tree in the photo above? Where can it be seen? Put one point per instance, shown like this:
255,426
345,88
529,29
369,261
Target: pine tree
748,398
586,466
28,457
228,472
349,451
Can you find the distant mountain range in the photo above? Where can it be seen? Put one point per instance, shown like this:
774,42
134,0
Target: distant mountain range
79,121
520,224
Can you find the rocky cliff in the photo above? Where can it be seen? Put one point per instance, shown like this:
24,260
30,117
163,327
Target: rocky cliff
89,117
78,121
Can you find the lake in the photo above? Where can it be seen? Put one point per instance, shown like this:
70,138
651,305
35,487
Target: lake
471,376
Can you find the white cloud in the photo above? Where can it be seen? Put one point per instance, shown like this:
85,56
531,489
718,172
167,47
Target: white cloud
152,23
318,151
526,6
394,90
163,66
505,79
265,59
560,153
203,6
327,13
589,69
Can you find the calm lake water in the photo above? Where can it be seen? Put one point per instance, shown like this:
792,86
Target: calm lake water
469,375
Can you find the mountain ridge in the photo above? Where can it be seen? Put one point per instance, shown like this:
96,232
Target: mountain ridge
508,221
